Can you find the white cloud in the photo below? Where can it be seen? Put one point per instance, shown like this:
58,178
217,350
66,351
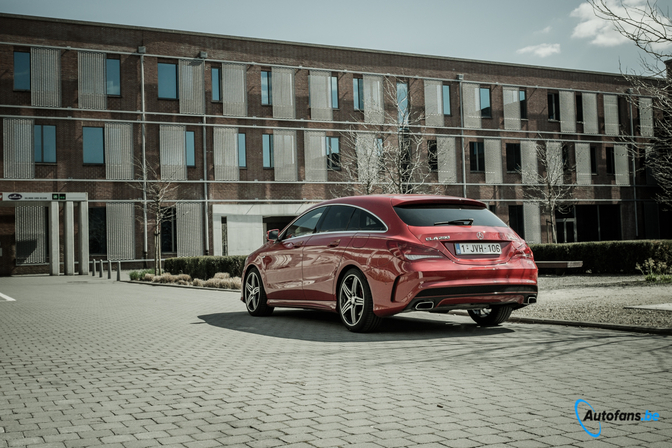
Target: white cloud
545,30
541,50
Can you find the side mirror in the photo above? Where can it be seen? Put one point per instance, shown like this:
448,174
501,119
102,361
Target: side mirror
272,235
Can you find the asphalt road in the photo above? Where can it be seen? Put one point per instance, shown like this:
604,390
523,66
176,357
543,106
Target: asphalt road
87,362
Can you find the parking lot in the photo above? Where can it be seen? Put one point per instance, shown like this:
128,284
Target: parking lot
86,362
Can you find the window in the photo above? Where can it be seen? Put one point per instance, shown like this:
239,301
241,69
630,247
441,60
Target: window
579,108
334,92
362,220
428,215
216,84
94,145
266,89
242,151
190,149
446,100
477,156
113,76
486,111
267,143
522,96
593,159
402,102
45,144
305,225
168,81
513,157
565,157
432,157
610,160
97,231
358,93
516,220
168,230
21,70
333,154
554,106
336,219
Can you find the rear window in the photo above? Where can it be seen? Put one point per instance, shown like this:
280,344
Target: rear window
447,215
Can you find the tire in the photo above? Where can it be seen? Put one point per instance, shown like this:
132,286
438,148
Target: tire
255,295
489,317
355,303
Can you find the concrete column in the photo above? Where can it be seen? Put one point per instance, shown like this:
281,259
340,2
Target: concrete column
54,244
83,221
68,238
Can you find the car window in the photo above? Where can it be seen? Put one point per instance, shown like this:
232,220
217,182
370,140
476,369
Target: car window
336,219
305,225
447,214
363,220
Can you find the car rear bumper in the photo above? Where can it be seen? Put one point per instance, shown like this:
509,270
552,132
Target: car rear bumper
473,297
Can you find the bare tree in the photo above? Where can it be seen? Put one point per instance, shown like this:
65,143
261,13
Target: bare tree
156,191
387,157
650,30
551,187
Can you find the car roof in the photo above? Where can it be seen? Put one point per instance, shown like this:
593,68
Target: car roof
403,199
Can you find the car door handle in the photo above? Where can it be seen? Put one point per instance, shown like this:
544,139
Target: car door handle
334,243
298,244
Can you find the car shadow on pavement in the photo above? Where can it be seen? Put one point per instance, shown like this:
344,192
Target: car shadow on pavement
308,325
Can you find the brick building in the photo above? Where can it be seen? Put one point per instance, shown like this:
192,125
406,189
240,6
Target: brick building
250,133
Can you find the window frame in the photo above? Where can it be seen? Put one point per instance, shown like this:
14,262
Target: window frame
242,161
579,107
218,83
553,106
267,87
358,93
522,98
433,156
333,163
41,140
404,103
17,52
519,214
445,88
97,215
267,145
102,142
177,81
107,77
333,89
169,218
190,135
593,160
475,158
486,112
513,157
611,161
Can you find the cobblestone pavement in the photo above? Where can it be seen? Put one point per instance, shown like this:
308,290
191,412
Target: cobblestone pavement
87,362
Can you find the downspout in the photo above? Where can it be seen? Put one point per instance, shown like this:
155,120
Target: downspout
460,79
144,158
205,189
634,178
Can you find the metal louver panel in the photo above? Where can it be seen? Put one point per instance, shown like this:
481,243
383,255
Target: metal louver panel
283,93
621,165
17,148
284,148
119,151
234,90
590,124
554,165
192,88
91,80
315,150
511,108
646,117
120,227
531,219
31,235
446,159
434,103
172,152
583,170
225,147
45,77
611,126
472,105
493,161
374,112
567,111
320,95
367,158
529,162
189,229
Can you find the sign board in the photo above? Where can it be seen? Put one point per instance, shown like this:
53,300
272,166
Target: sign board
42,197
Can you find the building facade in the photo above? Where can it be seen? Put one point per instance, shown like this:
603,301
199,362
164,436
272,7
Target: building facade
244,134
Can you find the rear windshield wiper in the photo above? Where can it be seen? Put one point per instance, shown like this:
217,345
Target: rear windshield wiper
456,222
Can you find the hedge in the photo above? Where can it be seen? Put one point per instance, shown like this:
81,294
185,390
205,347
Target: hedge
607,257
206,267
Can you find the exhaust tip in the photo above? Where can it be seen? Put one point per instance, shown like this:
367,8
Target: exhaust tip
530,299
424,306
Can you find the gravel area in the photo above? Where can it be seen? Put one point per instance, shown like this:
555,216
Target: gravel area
600,299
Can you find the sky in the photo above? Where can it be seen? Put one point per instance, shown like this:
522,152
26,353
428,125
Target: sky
552,33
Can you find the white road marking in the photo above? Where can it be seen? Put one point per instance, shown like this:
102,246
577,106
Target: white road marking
7,298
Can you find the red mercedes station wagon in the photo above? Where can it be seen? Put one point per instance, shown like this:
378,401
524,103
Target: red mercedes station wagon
368,257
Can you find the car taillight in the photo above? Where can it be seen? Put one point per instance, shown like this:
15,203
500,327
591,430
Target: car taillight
522,251
413,252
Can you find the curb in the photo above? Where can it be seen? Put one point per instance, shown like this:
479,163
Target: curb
204,288
572,323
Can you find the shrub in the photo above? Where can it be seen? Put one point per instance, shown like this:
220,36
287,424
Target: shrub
139,275
607,257
206,267
655,271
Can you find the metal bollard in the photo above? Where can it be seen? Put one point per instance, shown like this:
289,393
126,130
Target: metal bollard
118,271
109,269
93,271
100,272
